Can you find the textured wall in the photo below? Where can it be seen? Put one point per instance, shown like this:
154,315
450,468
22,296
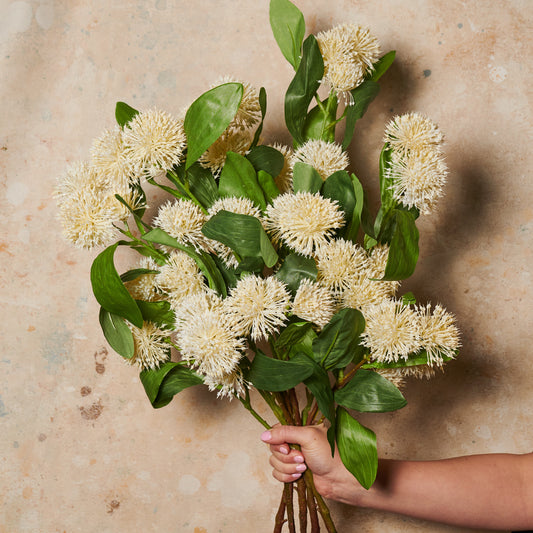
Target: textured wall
81,448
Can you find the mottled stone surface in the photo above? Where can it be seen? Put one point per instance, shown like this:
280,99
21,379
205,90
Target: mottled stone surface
81,448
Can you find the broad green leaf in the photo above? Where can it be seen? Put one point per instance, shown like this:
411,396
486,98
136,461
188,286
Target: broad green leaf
130,275
296,268
109,290
288,27
292,334
321,120
337,342
202,185
387,200
263,107
244,234
117,333
303,345
303,88
208,116
275,375
238,178
268,185
202,259
352,228
369,392
409,298
305,178
266,158
362,97
124,113
403,248
157,312
357,448
417,359
339,187
162,384
382,65
318,383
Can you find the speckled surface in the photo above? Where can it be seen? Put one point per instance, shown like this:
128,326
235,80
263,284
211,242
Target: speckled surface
81,448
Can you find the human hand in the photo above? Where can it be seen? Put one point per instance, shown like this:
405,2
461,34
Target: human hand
332,479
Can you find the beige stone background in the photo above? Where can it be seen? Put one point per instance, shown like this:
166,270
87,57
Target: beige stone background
81,448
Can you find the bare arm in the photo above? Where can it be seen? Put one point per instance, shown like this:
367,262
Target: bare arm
485,491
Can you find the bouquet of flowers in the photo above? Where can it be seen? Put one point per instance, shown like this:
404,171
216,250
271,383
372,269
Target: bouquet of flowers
265,268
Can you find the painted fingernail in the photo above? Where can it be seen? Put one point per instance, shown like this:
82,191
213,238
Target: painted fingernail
298,459
301,468
284,450
266,436
295,476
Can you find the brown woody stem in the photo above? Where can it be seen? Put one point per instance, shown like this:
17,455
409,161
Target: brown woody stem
280,515
287,491
322,507
313,515
302,503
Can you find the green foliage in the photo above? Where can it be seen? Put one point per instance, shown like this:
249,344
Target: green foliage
296,268
263,107
321,120
268,185
208,116
369,392
292,334
162,384
417,359
109,290
117,333
305,178
266,158
133,274
382,65
202,185
303,88
158,313
339,187
337,342
124,113
288,27
357,448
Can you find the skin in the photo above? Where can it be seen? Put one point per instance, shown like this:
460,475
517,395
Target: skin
492,491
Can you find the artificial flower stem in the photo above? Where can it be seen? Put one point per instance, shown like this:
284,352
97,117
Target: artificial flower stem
345,379
312,414
302,504
247,404
280,515
313,514
322,507
287,491
276,409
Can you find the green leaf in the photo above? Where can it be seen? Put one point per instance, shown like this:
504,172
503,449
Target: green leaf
357,448
275,375
296,268
418,359
303,345
339,187
303,88
202,185
409,298
130,275
318,383
352,228
387,200
292,334
109,290
124,113
403,249
157,312
288,27
117,333
321,120
268,185
203,260
208,116
369,392
244,234
263,107
305,178
382,65
168,380
266,158
362,96
337,342
238,178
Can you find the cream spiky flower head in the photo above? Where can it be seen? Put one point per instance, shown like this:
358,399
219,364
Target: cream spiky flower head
392,331
313,303
179,277
233,139
303,221
183,220
229,385
284,178
144,287
412,132
108,157
208,338
439,335
349,51
241,206
259,305
418,178
325,157
249,112
151,348
154,142
338,263
87,209
194,303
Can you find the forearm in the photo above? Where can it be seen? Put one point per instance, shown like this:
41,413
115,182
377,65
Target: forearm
489,491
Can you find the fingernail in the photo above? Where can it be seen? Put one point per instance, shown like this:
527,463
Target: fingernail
266,436
296,475
284,450
298,459
301,468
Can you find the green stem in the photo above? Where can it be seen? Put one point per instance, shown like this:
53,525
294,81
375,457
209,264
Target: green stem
247,404
322,507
